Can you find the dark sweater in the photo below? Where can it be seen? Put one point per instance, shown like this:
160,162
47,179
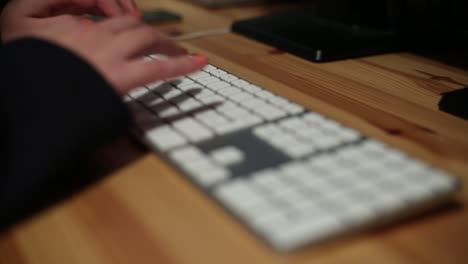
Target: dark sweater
2,4
56,111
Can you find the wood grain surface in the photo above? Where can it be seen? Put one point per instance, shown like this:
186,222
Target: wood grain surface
144,211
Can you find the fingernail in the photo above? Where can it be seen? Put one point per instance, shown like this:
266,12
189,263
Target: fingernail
200,59
87,22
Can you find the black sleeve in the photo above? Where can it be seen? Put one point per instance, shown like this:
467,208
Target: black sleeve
56,110
2,4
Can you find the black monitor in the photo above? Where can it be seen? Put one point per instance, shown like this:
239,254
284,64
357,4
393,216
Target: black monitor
328,30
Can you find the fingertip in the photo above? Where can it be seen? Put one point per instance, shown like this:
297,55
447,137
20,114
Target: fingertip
201,60
137,13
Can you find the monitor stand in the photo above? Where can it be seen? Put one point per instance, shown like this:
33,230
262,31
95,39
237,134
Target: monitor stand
329,30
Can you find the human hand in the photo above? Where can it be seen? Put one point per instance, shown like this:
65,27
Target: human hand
21,17
115,48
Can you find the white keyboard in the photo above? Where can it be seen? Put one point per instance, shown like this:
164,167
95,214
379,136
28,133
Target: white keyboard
292,176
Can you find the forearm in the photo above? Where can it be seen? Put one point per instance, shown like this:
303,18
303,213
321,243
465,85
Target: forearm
2,4
58,110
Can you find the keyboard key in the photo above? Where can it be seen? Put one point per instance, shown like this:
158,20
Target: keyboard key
236,125
439,182
228,77
217,72
309,133
239,194
218,85
264,94
228,91
289,195
165,138
205,172
209,177
253,103
348,135
251,88
171,94
234,113
326,142
306,231
193,130
208,80
313,118
199,75
189,87
189,105
186,154
214,99
138,92
228,156
270,113
270,221
278,101
211,119
300,150
168,112
209,68
268,180
240,83
267,131
154,101
127,99
294,124
241,96
204,94
293,108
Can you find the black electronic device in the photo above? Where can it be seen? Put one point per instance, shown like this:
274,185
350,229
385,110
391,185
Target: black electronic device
455,103
155,16
327,30
160,16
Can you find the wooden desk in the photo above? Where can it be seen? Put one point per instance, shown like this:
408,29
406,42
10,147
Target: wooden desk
148,213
